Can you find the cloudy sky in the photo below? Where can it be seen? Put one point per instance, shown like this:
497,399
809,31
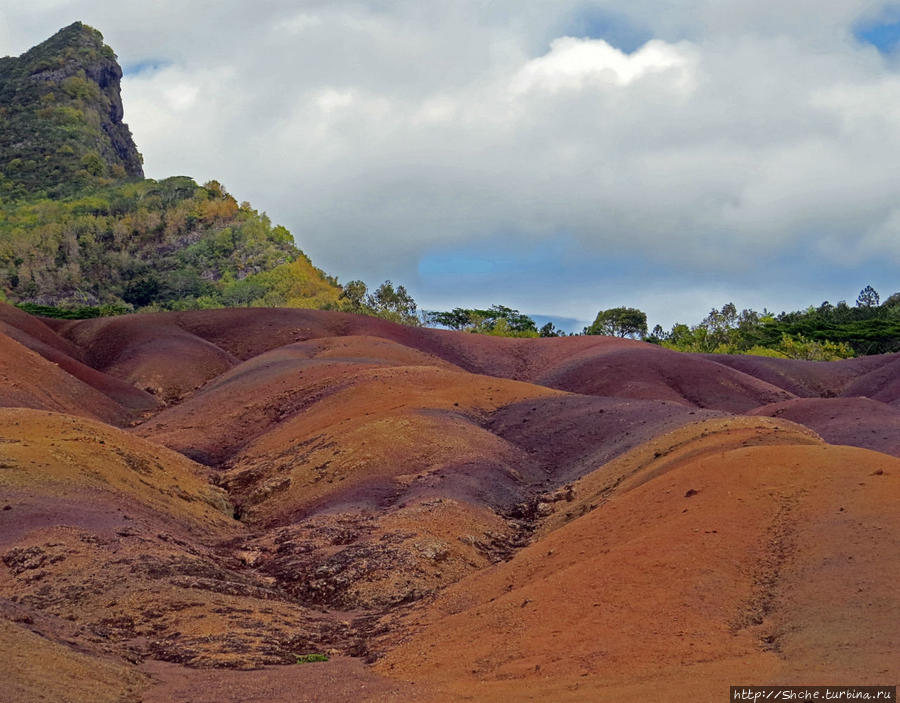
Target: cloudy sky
556,156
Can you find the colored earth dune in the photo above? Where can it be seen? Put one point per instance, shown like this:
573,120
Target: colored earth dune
192,504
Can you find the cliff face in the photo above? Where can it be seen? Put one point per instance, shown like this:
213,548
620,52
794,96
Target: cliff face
61,110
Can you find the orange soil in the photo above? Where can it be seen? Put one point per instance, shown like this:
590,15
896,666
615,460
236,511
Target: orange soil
71,676
52,456
766,560
480,518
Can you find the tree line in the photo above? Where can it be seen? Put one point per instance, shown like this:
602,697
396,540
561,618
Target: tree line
824,333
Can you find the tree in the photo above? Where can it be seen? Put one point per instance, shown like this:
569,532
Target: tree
868,298
517,321
455,319
657,335
551,330
394,304
620,322
242,293
387,302
353,297
498,320
142,291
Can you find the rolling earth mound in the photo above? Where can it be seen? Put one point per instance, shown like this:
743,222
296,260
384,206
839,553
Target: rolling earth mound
811,379
192,503
155,355
28,380
881,383
859,422
40,338
29,330
759,562
651,372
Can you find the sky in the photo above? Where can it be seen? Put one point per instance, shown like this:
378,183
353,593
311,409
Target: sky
555,156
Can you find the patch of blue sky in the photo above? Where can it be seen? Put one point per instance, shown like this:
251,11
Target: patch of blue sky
883,33
810,286
590,21
494,272
494,257
148,66
566,324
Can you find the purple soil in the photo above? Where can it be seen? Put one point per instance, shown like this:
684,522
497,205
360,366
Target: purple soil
338,680
881,383
589,365
27,380
858,422
117,390
94,511
808,379
149,351
561,438
439,474
586,364
483,483
250,399
37,329
649,372
570,436
248,332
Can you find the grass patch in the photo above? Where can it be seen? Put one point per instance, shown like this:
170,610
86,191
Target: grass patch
310,658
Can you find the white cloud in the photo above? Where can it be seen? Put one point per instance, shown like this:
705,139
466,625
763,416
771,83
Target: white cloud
578,64
298,24
743,133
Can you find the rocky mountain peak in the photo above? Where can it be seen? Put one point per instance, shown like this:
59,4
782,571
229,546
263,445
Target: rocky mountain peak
61,106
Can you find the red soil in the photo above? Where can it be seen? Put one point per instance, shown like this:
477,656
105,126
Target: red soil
563,519
22,326
28,380
881,383
340,679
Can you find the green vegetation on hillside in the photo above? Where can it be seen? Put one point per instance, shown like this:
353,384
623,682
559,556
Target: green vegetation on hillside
83,234
167,244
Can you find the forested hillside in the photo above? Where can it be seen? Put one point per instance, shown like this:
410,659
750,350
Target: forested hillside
80,226
170,243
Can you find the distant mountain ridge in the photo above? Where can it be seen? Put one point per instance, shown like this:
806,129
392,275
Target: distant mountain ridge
61,109
79,224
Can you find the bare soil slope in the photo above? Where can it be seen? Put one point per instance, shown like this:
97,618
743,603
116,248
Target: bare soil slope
859,422
28,380
761,562
447,516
